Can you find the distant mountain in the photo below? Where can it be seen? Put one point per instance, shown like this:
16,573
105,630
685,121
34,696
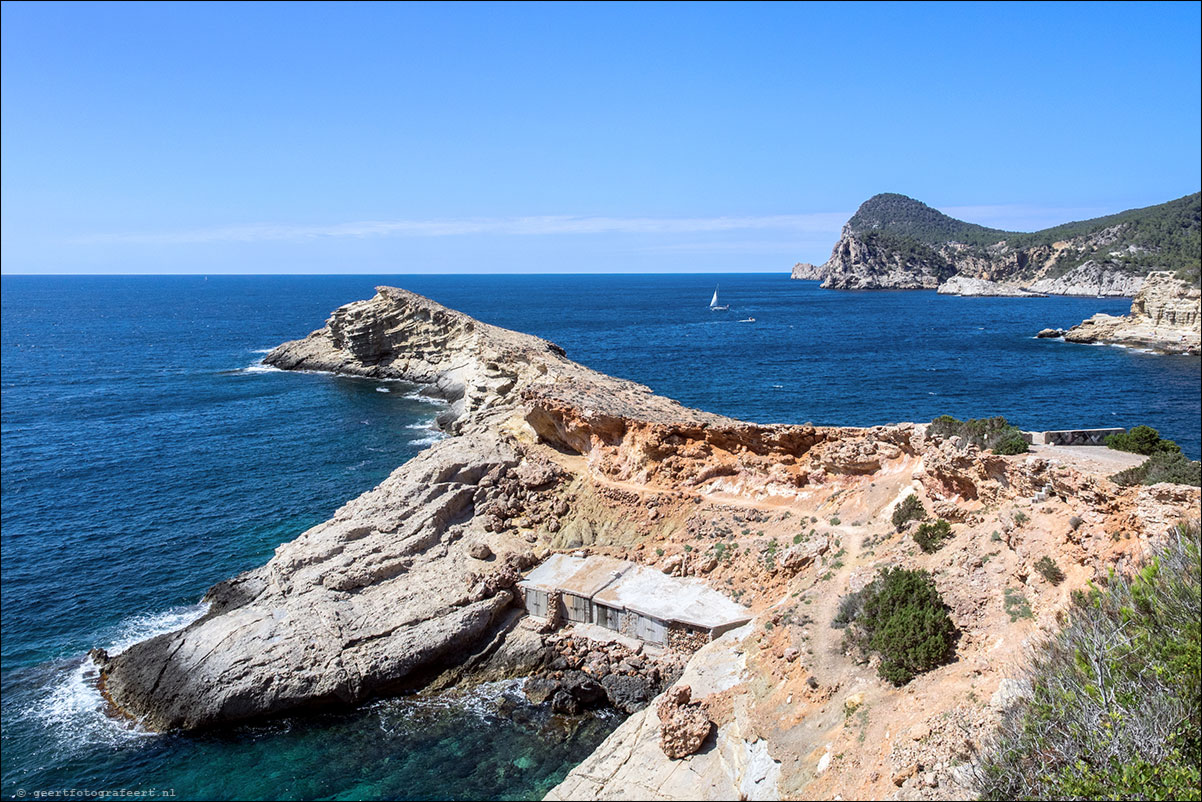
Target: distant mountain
896,242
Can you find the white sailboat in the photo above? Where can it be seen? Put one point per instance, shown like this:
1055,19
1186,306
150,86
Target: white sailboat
714,302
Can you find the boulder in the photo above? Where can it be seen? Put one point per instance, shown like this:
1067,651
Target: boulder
684,725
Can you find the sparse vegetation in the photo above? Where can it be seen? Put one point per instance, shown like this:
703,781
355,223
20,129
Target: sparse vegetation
1175,468
910,509
1047,568
1016,605
995,433
1114,700
930,534
835,521
900,617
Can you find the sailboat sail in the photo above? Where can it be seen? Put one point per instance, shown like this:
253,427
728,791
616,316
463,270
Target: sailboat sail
714,300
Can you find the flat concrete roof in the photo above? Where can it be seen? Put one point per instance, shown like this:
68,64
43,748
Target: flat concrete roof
629,586
596,573
553,572
688,601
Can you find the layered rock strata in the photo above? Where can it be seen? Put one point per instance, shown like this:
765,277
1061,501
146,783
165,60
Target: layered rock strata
1164,317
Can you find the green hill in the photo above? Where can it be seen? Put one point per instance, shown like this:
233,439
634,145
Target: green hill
1162,237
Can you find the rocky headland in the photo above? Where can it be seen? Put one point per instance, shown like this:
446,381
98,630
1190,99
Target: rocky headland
411,585
896,242
962,285
1165,317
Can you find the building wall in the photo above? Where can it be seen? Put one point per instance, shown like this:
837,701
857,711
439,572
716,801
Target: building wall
577,609
686,639
536,602
606,616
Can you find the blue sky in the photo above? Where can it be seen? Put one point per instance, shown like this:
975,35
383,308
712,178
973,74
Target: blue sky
378,138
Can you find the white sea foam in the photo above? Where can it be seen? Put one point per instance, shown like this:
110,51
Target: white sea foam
418,395
383,390
259,367
261,350
71,707
433,433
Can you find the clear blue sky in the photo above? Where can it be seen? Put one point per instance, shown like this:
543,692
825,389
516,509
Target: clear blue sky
245,138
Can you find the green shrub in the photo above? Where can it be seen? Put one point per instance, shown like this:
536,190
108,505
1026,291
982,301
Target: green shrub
930,534
1172,467
1142,440
1012,443
995,433
1047,568
902,619
1114,697
910,509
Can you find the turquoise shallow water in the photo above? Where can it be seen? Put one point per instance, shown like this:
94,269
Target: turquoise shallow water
146,456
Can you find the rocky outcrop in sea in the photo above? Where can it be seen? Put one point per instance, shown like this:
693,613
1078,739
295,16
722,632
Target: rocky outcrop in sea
962,285
1164,318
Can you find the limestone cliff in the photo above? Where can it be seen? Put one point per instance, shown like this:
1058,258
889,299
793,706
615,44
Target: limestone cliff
1164,317
412,581
961,285
896,242
808,272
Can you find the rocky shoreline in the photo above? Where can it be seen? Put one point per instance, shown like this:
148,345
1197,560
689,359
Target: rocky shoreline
1165,317
411,585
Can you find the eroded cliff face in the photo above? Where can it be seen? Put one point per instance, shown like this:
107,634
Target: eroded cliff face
414,579
860,261
1164,317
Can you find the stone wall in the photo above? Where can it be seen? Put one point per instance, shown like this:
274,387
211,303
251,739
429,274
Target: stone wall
686,639
1072,437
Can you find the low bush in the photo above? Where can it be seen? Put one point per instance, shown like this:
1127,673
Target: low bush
1114,701
1012,443
1047,568
995,433
1172,467
930,534
901,617
1142,440
849,607
910,509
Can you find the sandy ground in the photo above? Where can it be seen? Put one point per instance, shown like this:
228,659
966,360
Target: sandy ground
1098,459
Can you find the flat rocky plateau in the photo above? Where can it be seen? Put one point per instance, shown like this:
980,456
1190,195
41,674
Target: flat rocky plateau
411,584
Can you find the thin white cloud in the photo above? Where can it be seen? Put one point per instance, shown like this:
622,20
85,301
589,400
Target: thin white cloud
508,226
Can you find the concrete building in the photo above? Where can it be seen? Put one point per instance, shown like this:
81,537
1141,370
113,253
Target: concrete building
630,599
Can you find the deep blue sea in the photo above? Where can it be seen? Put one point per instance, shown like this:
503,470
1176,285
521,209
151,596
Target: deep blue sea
146,456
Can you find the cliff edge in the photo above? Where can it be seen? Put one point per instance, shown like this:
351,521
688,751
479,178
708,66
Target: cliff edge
1165,317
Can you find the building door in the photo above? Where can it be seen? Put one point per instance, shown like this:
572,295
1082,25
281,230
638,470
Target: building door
607,616
536,602
651,630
